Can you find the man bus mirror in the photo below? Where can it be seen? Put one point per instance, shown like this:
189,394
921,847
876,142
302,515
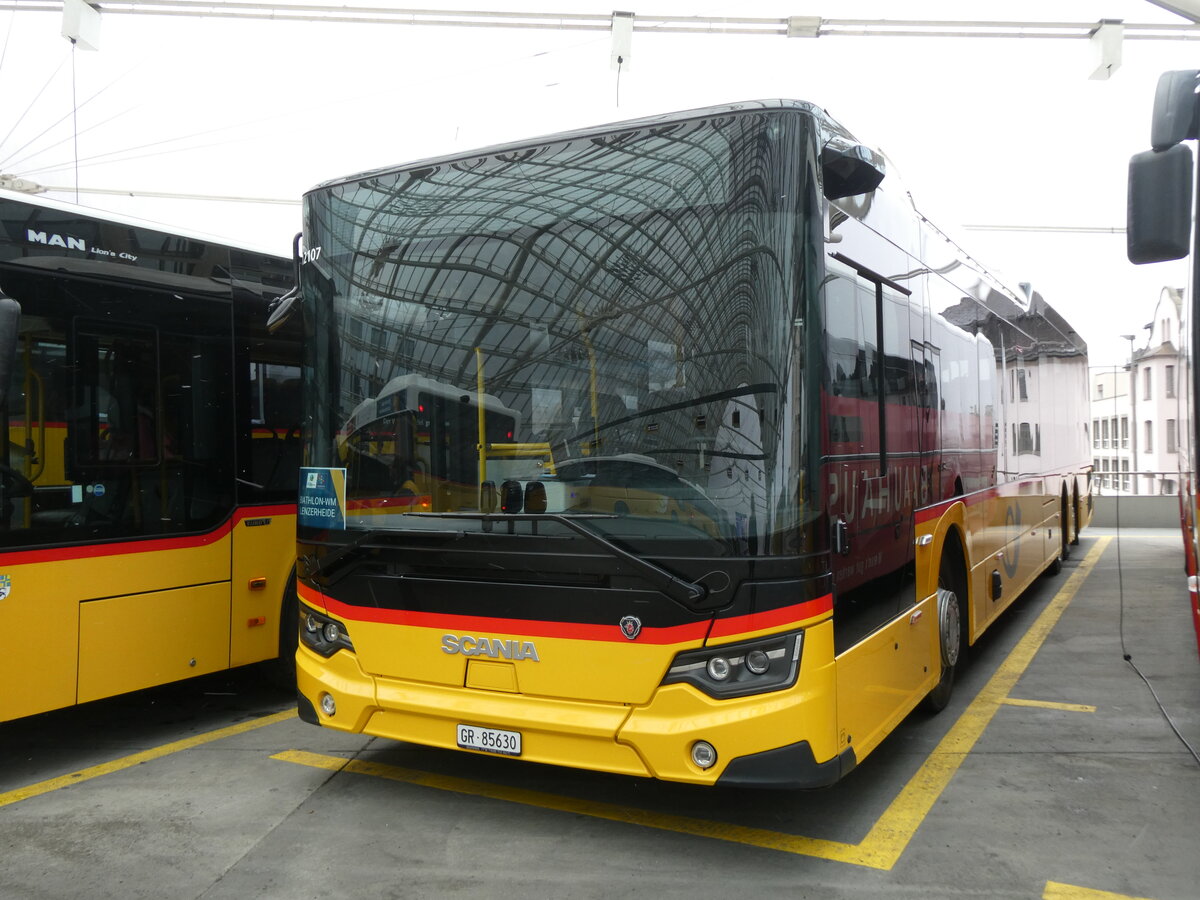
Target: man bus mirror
1159,214
1175,113
1160,205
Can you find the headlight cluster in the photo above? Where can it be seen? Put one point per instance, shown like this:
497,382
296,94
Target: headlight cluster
322,634
736,670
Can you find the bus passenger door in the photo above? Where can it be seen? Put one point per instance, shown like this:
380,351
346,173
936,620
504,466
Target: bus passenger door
881,641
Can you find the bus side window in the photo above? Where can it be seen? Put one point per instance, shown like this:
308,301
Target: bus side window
275,438
114,398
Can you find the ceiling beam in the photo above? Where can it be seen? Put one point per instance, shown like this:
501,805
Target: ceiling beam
603,21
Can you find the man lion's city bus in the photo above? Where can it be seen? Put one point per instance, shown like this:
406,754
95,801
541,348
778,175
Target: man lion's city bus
147,501
682,448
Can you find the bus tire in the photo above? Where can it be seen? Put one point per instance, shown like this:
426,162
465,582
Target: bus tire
281,671
1065,527
951,626
1076,527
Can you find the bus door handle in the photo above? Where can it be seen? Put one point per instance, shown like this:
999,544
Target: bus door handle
841,537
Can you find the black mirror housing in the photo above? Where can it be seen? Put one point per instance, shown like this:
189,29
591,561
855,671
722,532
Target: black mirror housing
848,170
1176,116
1159,211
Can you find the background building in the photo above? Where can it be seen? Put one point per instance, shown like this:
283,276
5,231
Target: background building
1138,416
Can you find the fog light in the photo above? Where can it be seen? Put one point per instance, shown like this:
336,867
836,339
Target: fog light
312,624
704,754
758,662
718,668
331,632
329,707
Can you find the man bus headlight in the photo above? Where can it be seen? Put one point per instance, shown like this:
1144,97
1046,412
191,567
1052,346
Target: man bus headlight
321,634
737,670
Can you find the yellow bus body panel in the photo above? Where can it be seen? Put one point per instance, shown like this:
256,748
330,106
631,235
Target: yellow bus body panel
591,671
134,642
1018,536
261,550
883,677
121,617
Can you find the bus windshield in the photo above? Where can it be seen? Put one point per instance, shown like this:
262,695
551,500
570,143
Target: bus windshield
606,325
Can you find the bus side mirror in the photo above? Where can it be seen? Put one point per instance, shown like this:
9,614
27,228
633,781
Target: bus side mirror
849,170
10,329
1176,117
1159,212
283,308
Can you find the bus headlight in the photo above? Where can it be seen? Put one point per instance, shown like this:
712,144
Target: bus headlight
321,634
741,669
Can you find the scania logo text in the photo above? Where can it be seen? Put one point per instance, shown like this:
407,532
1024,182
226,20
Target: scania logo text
490,647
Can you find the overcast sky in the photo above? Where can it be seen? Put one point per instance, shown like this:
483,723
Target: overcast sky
987,132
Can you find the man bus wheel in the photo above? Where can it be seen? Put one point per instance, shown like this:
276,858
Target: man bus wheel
281,671
950,627
1064,544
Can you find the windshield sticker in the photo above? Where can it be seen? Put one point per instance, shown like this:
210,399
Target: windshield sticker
322,501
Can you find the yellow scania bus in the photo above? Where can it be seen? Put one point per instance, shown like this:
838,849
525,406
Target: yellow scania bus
147,501
682,448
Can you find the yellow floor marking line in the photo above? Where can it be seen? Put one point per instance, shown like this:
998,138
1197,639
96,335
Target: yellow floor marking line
702,827
886,840
1049,704
1056,891
125,762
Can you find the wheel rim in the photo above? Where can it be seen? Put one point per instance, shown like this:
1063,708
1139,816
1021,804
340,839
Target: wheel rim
948,625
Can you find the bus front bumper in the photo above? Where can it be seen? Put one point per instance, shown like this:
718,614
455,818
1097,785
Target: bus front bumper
780,739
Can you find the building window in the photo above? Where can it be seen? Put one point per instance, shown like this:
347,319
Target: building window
1025,439
1125,432
1124,474
1095,432
1104,433
1148,445
1171,435
1020,386
1146,384
1104,473
1169,379
1099,392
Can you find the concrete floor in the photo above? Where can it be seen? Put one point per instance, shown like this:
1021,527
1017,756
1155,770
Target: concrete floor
1052,774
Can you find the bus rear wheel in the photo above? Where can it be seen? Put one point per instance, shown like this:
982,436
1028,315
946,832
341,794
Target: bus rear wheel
950,632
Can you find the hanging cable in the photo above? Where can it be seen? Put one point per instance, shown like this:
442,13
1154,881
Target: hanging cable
1125,654
74,120
32,103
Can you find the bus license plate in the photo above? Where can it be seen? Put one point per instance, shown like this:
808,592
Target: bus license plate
489,740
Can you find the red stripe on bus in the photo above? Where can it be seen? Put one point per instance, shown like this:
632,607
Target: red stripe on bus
580,631
775,618
94,551
675,634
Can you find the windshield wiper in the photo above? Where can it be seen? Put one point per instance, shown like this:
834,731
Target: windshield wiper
313,566
678,589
